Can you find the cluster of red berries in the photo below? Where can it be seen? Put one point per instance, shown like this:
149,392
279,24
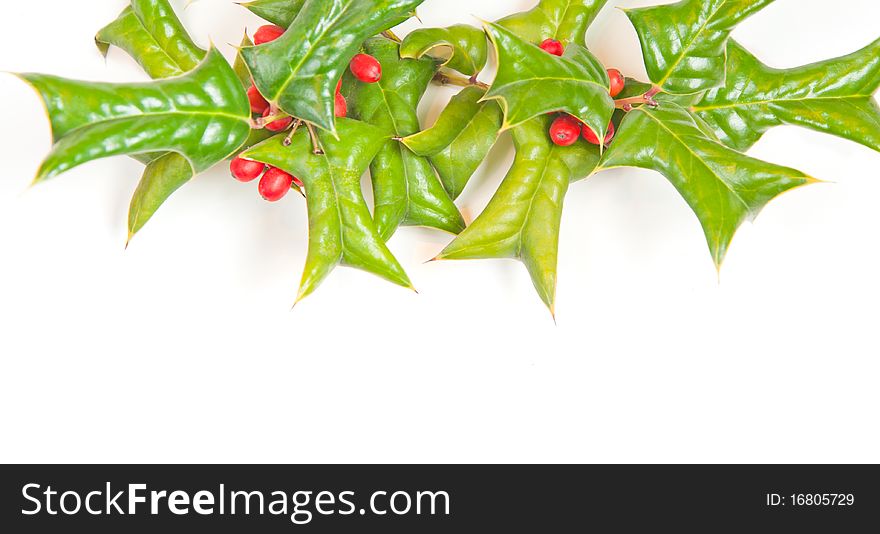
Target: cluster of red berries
566,130
275,183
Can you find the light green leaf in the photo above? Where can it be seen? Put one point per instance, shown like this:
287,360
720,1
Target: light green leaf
833,96
341,230
461,138
240,68
564,20
461,47
151,33
203,115
406,189
522,220
530,82
723,187
299,70
161,179
279,12
684,43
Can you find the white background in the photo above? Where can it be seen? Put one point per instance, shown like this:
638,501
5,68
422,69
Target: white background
183,348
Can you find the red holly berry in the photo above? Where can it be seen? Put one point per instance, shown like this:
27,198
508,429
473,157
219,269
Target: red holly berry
618,82
366,68
275,184
245,170
277,126
339,86
267,34
552,46
341,106
565,131
590,136
258,103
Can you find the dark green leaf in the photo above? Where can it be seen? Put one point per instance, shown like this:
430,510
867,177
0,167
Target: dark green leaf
684,43
279,12
530,82
723,187
299,71
833,96
564,20
461,139
406,188
341,230
461,47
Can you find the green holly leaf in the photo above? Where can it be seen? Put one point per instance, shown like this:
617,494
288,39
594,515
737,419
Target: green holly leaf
341,231
150,32
239,66
460,139
723,187
684,43
564,20
257,136
278,12
203,115
162,177
522,220
461,47
833,96
406,189
299,71
530,82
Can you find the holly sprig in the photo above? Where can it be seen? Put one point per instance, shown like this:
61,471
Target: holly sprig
327,91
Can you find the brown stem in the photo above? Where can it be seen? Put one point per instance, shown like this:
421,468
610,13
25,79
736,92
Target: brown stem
316,145
289,139
447,77
627,104
274,114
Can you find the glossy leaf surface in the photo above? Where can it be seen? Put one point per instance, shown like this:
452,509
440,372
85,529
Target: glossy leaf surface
460,140
564,20
834,96
341,230
279,12
299,70
150,32
522,220
461,47
723,187
684,44
406,189
203,115
530,82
